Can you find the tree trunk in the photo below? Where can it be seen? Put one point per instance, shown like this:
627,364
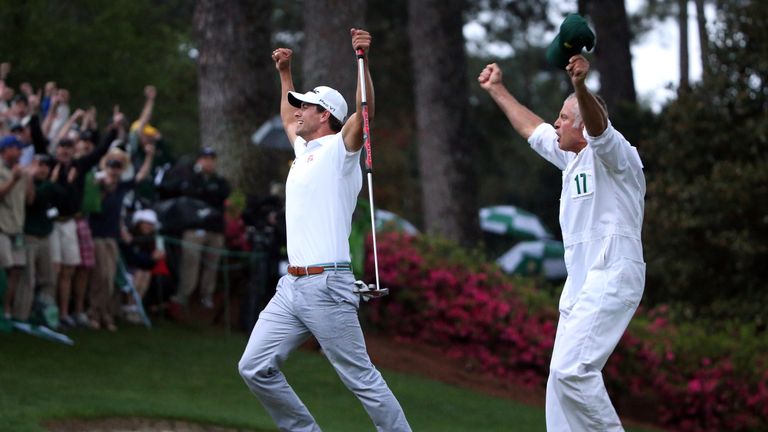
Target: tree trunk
612,56
701,21
685,82
236,87
439,68
328,57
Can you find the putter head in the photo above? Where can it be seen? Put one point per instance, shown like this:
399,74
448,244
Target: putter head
369,291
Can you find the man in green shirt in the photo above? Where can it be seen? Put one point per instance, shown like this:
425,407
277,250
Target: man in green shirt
38,225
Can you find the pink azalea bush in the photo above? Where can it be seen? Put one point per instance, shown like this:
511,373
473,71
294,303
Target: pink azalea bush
447,297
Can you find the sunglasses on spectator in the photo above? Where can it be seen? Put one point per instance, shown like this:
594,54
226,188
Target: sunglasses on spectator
112,163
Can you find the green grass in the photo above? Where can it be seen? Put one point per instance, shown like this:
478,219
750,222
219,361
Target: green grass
191,374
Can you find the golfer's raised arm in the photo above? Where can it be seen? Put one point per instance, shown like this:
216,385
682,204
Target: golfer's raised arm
282,59
594,117
522,119
352,131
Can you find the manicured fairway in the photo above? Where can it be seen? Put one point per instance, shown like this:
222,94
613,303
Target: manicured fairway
191,374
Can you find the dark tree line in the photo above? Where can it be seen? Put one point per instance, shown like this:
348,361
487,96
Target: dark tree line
441,148
706,227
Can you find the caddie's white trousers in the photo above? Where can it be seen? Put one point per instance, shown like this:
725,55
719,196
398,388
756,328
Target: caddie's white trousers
322,305
592,320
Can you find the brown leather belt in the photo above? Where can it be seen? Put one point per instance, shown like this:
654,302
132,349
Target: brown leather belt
318,268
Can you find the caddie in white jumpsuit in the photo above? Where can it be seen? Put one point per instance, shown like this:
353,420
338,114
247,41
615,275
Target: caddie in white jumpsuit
601,215
316,297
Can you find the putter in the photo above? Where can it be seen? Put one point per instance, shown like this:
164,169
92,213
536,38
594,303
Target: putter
368,291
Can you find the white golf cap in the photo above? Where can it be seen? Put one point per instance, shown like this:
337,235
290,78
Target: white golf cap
146,215
326,97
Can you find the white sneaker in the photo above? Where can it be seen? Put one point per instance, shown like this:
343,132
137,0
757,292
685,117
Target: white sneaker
82,320
133,318
131,308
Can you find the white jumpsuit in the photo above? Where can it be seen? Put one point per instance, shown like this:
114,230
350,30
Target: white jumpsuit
601,215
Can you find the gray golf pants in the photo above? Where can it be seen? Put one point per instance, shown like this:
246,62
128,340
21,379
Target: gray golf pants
322,305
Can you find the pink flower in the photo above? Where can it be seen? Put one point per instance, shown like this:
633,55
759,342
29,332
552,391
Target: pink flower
694,386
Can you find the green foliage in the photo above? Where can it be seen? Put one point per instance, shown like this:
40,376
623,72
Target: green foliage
706,229
738,341
700,339
509,21
707,200
105,53
395,151
509,172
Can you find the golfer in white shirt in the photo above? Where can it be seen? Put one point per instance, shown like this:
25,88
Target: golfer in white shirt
601,215
316,297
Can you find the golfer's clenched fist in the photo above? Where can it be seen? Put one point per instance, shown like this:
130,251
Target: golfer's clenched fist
361,39
282,58
489,76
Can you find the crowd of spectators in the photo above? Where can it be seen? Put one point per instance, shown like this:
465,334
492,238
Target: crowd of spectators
81,209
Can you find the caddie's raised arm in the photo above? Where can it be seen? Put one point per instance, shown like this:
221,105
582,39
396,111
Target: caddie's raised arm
592,113
523,120
282,59
352,132
609,145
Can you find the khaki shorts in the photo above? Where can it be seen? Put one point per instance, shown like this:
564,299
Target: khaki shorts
64,247
12,255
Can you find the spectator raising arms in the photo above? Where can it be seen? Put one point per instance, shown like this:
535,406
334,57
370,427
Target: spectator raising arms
106,228
70,172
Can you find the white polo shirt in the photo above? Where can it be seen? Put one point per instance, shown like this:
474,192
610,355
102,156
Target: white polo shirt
320,196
